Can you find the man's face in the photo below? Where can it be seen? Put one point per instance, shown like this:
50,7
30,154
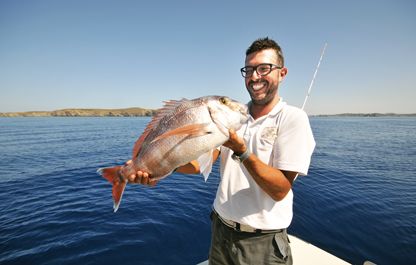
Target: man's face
263,89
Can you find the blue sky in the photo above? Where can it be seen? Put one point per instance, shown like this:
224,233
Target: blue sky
117,54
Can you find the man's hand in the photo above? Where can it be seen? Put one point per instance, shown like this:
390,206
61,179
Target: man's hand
235,143
138,177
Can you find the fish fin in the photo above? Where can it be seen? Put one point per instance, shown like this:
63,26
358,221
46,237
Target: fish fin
205,162
112,174
192,130
118,190
168,108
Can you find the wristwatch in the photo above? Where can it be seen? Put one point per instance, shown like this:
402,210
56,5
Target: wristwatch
242,157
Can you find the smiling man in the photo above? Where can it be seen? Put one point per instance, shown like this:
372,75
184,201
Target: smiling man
259,163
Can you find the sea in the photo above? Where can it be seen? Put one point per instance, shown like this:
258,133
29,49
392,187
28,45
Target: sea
358,201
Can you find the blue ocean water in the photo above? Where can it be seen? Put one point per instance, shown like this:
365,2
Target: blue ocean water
358,201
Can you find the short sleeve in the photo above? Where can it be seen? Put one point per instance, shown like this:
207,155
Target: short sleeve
295,143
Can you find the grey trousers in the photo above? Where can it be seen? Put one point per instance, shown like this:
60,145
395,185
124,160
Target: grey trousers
230,247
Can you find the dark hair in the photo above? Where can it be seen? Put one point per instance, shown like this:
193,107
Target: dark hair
264,44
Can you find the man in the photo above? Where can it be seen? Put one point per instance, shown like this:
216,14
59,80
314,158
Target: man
259,163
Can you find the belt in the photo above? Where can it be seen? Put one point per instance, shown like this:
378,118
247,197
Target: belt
243,227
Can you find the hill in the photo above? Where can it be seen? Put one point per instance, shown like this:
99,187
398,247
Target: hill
128,112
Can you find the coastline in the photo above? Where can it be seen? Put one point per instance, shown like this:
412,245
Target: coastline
366,115
127,112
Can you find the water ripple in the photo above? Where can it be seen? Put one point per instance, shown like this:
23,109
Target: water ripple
357,201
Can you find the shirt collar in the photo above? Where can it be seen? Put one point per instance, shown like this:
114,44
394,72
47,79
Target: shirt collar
276,109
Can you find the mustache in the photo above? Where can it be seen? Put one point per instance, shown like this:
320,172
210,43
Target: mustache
251,82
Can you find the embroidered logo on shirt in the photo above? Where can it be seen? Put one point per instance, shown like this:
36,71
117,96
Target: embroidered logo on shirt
269,134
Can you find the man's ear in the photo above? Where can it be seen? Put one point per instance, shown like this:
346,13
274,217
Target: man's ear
282,73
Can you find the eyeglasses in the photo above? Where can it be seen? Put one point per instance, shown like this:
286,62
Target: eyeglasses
261,69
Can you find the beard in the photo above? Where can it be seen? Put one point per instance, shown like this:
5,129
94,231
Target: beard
264,97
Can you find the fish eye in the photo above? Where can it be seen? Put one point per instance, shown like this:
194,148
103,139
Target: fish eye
224,100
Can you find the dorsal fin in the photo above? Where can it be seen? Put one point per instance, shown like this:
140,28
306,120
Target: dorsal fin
168,108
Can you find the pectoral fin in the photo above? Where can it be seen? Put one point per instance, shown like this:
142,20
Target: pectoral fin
192,130
205,162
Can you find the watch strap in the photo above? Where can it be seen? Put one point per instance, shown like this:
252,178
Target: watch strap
242,157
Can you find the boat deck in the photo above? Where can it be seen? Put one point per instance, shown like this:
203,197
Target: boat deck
305,253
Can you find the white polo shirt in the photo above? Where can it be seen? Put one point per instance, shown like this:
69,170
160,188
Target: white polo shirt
282,139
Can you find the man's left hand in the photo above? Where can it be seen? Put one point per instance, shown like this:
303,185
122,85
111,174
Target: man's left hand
235,143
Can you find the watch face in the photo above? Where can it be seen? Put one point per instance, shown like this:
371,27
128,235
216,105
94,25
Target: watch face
236,158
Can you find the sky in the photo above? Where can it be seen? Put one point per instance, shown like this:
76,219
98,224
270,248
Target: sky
117,54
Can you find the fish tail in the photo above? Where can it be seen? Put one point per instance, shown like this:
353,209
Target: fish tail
112,174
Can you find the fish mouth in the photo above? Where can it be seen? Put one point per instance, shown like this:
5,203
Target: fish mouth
241,108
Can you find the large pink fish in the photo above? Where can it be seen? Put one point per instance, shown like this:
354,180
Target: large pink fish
180,132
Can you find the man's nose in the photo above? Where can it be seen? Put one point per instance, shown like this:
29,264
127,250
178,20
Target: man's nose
255,76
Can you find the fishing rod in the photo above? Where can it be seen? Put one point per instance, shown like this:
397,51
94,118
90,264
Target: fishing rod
314,75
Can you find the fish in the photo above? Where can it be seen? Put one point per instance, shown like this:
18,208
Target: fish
180,132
